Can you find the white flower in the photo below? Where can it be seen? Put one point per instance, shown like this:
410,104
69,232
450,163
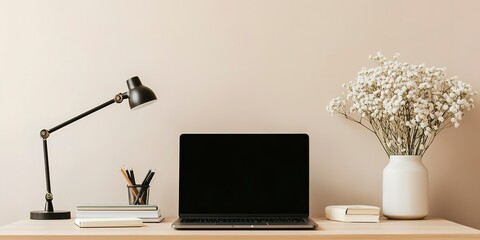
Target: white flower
404,105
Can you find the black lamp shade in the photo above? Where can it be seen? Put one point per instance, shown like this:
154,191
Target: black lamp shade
138,94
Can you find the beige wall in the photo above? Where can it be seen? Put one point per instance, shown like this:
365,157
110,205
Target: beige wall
218,66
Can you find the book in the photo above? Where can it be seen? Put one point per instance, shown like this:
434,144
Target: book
118,208
356,209
108,222
355,218
152,220
118,214
353,213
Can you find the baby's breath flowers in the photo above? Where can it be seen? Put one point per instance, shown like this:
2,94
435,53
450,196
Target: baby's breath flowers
404,105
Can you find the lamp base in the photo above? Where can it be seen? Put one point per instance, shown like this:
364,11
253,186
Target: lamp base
45,215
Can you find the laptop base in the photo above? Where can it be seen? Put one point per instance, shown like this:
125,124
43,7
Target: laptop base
181,225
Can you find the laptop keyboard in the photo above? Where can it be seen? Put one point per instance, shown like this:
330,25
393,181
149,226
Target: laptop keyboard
248,221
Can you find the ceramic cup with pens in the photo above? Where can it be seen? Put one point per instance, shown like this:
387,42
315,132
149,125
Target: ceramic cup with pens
138,194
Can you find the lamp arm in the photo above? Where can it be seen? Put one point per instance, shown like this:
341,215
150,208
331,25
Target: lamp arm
117,99
46,133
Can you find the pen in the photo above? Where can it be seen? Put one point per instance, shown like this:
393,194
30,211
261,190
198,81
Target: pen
132,177
146,182
150,177
146,177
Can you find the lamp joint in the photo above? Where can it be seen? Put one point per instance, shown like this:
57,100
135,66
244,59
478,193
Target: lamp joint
48,203
118,98
48,196
44,133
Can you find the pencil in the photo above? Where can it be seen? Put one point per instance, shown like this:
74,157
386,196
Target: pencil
129,183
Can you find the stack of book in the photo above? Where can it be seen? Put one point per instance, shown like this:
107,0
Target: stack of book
147,213
353,213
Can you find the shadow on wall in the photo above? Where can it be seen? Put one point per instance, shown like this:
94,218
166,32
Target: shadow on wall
454,162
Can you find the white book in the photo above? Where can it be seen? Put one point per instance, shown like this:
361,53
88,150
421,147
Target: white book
355,218
108,222
118,214
353,213
152,220
117,208
355,209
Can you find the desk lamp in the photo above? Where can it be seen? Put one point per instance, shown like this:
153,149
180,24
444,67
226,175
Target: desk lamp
138,96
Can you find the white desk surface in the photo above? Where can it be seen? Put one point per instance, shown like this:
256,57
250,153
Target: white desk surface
386,229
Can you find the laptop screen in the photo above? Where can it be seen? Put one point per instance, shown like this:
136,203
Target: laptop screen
244,175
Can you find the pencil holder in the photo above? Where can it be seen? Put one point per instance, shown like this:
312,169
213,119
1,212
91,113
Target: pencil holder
138,194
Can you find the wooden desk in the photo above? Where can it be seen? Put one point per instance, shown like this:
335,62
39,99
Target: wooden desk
387,229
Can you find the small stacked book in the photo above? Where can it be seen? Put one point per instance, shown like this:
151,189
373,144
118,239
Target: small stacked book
147,213
108,222
353,213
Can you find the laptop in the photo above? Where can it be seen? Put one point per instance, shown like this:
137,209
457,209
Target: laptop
244,181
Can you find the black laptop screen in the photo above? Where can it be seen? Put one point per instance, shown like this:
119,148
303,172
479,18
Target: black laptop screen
244,175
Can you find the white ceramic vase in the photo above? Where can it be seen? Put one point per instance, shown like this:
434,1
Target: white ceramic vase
405,188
